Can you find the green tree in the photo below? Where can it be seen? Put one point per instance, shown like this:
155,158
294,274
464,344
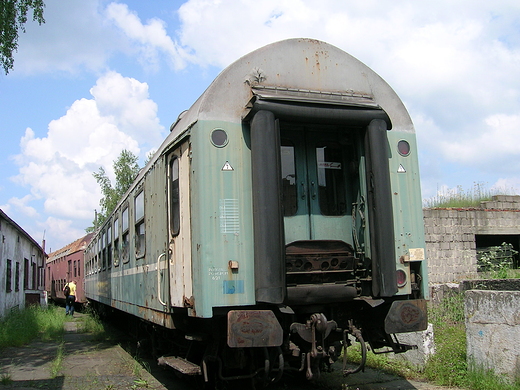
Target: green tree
13,16
126,169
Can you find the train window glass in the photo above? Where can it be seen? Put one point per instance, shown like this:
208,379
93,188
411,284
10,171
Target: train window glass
125,219
175,210
331,179
116,242
139,225
139,206
104,250
124,249
289,188
109,247
140,240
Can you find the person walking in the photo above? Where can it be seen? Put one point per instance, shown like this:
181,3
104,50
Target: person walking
70,297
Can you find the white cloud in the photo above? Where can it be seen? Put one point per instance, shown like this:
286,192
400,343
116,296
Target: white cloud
496,145
73,37
60,231
20,204
151,39
58,168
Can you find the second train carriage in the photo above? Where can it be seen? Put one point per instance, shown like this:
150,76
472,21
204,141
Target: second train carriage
64,265
281,214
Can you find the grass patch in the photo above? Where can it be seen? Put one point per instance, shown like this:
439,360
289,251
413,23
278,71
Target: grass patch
459,198
21,326
92,324
5,379
383,362
57,363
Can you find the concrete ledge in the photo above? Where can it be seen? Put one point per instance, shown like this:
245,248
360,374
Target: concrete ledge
493,331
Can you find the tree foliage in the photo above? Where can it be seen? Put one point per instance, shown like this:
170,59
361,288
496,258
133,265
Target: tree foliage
13,16
126,169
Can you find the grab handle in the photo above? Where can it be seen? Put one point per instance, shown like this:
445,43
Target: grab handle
159,279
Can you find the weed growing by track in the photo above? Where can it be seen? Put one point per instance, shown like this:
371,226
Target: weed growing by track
57,363
91,323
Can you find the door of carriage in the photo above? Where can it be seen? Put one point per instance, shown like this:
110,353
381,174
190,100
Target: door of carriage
316,192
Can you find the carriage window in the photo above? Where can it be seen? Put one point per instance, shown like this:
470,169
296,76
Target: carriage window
139,225
124,249
116,242
104,250
98,255
331,181
109,246
175,219
289,190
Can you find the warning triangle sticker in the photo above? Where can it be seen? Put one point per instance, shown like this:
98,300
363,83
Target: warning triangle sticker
401,169
227,167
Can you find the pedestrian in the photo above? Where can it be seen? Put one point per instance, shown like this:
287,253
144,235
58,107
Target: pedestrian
70,297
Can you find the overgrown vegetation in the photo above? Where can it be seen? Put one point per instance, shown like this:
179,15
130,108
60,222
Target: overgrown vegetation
92,324
459,198
448,365
57,363
21,326
497,262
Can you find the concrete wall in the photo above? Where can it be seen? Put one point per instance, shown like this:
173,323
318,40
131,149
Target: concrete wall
493,331
450,235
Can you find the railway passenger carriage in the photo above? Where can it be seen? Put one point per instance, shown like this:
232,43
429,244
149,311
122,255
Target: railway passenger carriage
65,265
281,215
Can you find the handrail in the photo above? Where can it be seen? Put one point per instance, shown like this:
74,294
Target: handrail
159,279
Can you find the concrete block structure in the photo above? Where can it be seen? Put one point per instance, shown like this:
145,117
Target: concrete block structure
453,236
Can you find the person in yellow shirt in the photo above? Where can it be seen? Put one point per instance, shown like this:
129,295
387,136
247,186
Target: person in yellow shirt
70,299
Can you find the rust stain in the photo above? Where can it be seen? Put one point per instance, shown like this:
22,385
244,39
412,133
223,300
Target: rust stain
189,302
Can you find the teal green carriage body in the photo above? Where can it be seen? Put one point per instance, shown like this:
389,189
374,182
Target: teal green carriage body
302,70
208,259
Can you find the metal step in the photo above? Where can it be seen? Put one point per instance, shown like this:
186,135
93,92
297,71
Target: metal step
182,365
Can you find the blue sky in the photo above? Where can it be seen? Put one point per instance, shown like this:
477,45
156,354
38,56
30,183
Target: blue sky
100,76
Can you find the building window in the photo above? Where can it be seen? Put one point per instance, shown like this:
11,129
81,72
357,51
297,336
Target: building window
139,225
26,274
8,277
34,277
17,277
